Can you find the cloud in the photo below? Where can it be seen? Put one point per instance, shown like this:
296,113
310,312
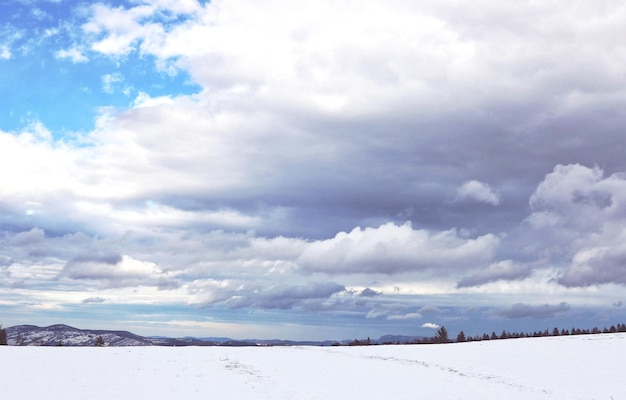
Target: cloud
119,26
315,149
391,248
74,54
404,317
502,270
29,238
520,310
5,52
478,191
106,259
596,265
267,296
114,271
89,300
430,325
109,80
580,215
430,310
367,292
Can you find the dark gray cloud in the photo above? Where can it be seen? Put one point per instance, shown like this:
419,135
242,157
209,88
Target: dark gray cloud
596,266
28,238
520,310
107,259
503,270
93,300
367,292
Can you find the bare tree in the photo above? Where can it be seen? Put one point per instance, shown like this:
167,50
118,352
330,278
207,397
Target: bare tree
99,341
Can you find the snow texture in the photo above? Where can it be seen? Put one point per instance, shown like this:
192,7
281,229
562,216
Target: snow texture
566,367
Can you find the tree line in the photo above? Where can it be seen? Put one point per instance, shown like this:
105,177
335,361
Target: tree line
442,336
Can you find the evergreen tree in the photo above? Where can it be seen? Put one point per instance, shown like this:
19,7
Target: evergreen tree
441,336
461,337
99,341
3,336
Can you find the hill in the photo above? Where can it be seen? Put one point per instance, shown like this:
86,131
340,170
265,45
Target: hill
64,335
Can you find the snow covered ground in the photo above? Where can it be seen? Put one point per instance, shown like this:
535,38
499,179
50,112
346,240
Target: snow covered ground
565,368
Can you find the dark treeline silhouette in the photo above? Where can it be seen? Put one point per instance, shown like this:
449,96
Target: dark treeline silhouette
461,337
441,336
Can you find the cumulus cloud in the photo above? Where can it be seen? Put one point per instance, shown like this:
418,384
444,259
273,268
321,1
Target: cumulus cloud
478,191
430,325
581,215
520,310
596,265
392,248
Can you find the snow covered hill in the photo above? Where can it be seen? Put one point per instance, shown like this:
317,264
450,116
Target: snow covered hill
558,368
55,335
64,335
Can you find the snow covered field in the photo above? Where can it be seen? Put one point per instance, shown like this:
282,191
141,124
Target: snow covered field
566,368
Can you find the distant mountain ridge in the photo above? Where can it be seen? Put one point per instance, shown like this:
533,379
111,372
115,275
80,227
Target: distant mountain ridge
65,335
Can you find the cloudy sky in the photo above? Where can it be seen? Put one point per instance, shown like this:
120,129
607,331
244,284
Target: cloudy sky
312,170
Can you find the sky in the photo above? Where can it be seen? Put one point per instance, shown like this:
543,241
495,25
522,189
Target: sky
312,170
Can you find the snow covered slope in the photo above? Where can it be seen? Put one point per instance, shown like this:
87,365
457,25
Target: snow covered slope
563,368
53,335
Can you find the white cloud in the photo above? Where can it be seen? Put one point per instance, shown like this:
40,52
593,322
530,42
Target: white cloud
404,317
430,325
478,191
120,25
391,248
73,54
109,81
144,100
5,52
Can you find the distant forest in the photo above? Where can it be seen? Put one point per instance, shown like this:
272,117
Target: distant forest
442,335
